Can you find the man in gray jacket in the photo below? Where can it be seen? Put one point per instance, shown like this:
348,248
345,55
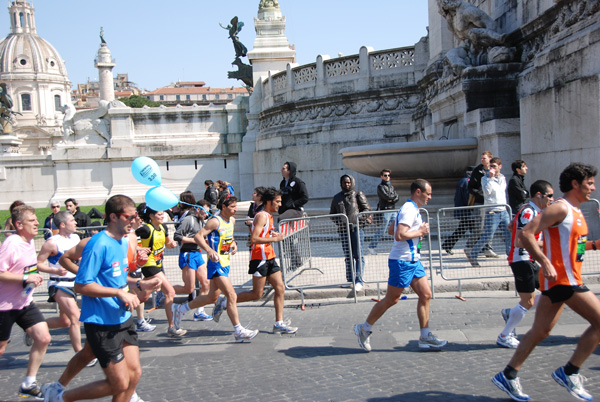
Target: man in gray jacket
387,202
350,202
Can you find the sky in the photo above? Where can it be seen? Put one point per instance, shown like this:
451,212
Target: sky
159,42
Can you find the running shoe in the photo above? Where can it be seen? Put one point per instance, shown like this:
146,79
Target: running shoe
159,299
27,340
511,387
219,307
177,315
143,326
33,391
573,383
508,341
176,332
358,287
489,253
92,363
245,335
431,342
50,390
202,317
136,398
506,315
284,329
364,337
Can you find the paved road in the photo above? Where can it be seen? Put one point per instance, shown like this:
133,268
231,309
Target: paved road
323,362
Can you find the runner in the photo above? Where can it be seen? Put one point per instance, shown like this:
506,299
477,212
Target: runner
263,266
220,246
565,241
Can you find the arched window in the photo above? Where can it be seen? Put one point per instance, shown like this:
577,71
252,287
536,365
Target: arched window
21,19
25,102
57,103
28,20
15,19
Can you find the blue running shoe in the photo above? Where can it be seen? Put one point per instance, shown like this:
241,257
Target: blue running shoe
511,387
573,383
202,317
159,299
219,307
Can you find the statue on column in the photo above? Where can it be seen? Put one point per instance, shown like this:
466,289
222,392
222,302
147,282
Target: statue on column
102,41
244,72
481,43
268,4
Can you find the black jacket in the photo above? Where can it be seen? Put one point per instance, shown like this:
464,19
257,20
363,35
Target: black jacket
350,203
517,193
211,194
475,184
293,194
387,195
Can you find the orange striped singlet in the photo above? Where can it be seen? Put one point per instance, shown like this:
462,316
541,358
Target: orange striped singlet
263,251
564,245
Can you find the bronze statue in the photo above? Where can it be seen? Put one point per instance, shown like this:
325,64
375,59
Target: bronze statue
234,28
6,104
102,41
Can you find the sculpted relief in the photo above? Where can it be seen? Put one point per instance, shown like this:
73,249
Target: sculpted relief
480,42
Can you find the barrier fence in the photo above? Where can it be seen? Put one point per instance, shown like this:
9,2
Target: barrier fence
315,250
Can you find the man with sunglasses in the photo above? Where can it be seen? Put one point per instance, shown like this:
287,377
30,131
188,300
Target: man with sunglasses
387,202
49,222
525,270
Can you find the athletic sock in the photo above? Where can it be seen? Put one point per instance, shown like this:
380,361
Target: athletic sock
238,328
279,323
571,369
200,310
140,321
28,381
184,308
517,313
425,332
367,327
510,373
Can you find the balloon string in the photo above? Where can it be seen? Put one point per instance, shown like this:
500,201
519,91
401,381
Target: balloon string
197,206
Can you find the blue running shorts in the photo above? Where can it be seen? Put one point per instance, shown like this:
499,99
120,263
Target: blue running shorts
402,273
191,259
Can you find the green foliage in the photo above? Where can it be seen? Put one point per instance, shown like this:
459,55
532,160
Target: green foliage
137,101
42,213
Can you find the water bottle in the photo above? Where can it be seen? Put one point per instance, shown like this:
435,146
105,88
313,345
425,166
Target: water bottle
28,287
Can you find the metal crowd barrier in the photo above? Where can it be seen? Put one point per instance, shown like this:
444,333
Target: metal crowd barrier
591,259
458,230
311,253
377,245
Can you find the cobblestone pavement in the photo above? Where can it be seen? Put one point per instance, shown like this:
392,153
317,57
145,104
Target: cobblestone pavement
323,361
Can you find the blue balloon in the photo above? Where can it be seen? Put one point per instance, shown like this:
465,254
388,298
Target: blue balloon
160,198
146,171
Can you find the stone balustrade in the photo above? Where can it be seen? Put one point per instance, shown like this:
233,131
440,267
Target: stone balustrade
360,72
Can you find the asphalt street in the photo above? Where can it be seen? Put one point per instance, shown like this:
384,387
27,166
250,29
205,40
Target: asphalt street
323,361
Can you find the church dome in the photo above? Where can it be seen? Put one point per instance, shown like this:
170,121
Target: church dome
24,52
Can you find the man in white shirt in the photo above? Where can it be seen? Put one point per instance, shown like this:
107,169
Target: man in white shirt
494,192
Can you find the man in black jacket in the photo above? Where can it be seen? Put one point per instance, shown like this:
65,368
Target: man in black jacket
293,193
350,202
517,193
387,202
211,194
82,219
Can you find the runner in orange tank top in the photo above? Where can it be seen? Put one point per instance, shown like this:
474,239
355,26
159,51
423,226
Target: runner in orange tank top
263,265
565,242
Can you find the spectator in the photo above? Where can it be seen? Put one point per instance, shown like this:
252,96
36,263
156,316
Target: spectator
294,195
387,201
465,216
211,194
49,222
350,202
476,198
494,189
517,193
82,219
8,225
256,205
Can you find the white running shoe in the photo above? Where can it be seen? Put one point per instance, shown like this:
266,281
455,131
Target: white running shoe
573,383
284,328
143,326
219,308
245,335
176,332
431,342
364,337
509,341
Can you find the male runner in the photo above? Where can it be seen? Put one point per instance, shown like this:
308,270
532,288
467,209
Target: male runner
406,269
61,282
565,241
525,270
263,266
18,272
219,245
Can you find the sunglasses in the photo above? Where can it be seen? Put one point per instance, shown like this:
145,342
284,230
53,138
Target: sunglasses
55,206
386,175
129,217
549,195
